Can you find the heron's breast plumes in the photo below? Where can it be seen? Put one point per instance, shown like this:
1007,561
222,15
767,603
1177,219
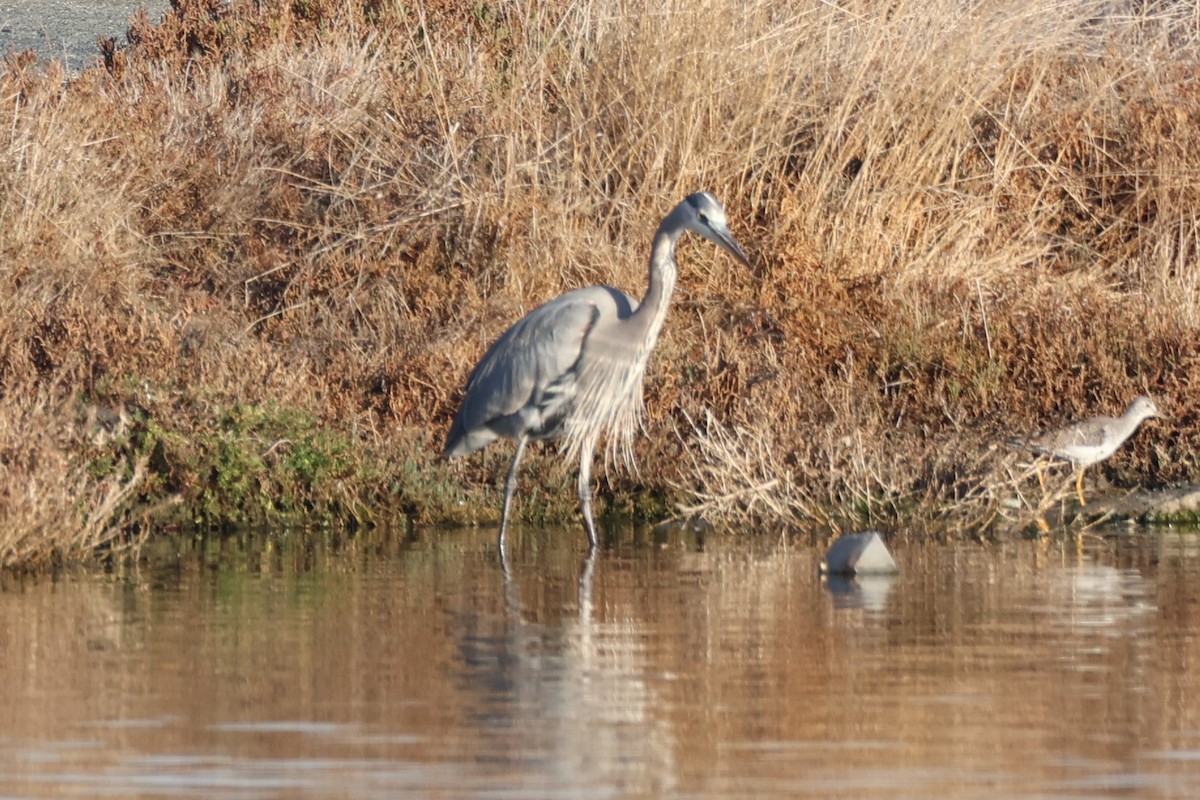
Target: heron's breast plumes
608,398
612,364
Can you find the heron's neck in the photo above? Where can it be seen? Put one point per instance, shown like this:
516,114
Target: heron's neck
652,311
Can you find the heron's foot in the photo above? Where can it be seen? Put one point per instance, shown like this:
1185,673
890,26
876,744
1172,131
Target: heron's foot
500,539
585,510
589,527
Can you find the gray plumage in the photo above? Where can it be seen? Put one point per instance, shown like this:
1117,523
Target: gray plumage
1092,440
572,368
1096,438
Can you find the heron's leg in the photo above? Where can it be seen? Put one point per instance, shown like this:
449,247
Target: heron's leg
585,493
510,488
1079,488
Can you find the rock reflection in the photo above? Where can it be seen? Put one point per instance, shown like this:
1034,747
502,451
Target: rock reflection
868,592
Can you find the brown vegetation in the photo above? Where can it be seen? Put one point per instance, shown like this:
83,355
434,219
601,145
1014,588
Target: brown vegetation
276,242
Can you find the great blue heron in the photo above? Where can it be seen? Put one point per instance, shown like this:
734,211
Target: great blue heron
1092,440
572,368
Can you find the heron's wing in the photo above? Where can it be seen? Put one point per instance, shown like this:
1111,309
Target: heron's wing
523,368
532,354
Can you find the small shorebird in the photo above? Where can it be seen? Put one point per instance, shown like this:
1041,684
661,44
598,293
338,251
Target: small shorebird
1092,440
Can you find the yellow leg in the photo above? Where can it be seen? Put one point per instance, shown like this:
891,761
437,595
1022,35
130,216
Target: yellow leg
1079,488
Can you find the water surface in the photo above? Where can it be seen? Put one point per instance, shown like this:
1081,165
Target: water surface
268,666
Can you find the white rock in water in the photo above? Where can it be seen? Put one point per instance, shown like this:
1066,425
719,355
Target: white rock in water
859,554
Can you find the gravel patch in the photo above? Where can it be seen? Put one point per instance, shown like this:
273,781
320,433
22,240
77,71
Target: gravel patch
67,29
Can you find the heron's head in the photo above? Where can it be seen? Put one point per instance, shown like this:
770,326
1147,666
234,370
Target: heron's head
705,216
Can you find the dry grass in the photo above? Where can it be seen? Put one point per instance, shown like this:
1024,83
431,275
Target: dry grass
965,218
56,509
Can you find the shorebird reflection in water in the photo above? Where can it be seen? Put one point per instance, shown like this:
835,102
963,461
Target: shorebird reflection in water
572,368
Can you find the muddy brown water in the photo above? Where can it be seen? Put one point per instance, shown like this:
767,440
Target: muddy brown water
271,666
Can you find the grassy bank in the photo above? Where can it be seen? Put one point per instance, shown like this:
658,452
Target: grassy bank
249,261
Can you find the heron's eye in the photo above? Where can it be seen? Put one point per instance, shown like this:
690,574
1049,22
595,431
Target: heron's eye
700,215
